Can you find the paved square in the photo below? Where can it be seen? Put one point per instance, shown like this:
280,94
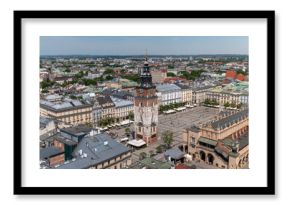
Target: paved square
178,122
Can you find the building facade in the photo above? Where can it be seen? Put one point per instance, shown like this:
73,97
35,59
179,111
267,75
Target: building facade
199,94
146,108
168,94
72,112
158,76
186,94
227,97
103,107
223,142
229,94
111,107
122,108
107,107
47,126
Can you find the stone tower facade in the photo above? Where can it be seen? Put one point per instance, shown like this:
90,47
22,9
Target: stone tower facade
146,108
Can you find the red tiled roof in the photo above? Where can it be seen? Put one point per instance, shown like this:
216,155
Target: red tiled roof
231,74
170,79
241,77
181,166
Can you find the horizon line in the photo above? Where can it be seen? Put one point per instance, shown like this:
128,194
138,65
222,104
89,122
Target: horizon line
140,54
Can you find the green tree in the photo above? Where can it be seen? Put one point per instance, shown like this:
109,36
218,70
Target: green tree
170,74
159,149
101,79
106,121
44,91
73,97
196,73
233,105
127,130
207,101
46,84
67,70
167,137
108,71
87,82
151,153
109,77
227,104
240,71
134,77
214,102
79,75
131,115
142,155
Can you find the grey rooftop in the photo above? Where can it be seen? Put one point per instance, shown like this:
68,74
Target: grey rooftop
174,153
167,87
44,121
77,131
93,150
49,152
121,102
66,104
229,120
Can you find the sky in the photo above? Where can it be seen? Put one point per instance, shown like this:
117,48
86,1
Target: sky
137,45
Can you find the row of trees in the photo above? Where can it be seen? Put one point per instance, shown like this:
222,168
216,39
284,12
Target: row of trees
213,102
77,78
170,74
233,105
192,75
106,121
163,108
240,71
110,120
133,77
46,84
80,78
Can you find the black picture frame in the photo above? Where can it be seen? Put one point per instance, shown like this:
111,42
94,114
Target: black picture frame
19,189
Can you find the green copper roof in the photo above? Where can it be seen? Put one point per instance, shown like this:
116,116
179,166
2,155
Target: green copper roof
207,141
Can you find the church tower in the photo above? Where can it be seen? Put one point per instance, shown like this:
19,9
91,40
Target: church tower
146,107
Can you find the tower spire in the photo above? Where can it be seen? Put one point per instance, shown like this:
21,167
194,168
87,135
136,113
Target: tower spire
146,54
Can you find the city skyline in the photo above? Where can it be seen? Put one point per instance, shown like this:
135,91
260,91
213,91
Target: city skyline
137,45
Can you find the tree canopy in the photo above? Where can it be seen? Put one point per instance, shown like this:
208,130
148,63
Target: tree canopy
169,74
167,137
